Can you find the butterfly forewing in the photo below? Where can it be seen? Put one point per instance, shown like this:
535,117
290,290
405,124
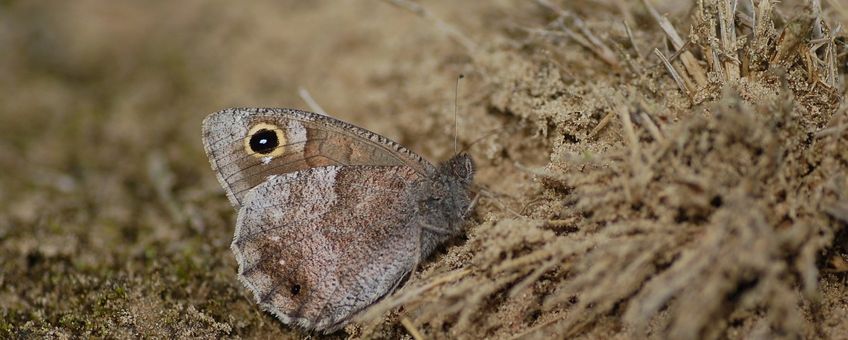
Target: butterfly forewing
245,146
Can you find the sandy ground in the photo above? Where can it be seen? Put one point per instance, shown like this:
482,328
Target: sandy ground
622,197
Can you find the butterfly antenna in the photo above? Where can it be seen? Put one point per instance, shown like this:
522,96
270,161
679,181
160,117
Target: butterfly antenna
455,109
304,94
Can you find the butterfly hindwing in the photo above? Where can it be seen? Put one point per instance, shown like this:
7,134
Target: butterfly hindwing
245,146
318,245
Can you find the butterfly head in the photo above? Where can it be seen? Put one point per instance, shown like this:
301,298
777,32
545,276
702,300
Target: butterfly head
443,199
460,167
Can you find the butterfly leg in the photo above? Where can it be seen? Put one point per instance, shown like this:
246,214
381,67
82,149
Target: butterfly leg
495,199
417,255
471,205
436,230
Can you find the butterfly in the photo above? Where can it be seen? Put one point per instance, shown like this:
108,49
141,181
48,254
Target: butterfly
331,217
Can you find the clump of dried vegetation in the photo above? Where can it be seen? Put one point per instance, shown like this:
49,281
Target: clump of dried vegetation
653,169
695,191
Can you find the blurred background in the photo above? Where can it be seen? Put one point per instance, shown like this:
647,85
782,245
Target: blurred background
111,221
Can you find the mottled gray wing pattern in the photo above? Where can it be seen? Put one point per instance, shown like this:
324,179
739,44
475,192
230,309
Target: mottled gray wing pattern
302,139
318,245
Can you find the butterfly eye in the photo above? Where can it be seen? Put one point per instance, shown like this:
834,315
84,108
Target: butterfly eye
265,140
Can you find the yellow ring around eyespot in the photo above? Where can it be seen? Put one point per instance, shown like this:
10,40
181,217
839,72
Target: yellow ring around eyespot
281,139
